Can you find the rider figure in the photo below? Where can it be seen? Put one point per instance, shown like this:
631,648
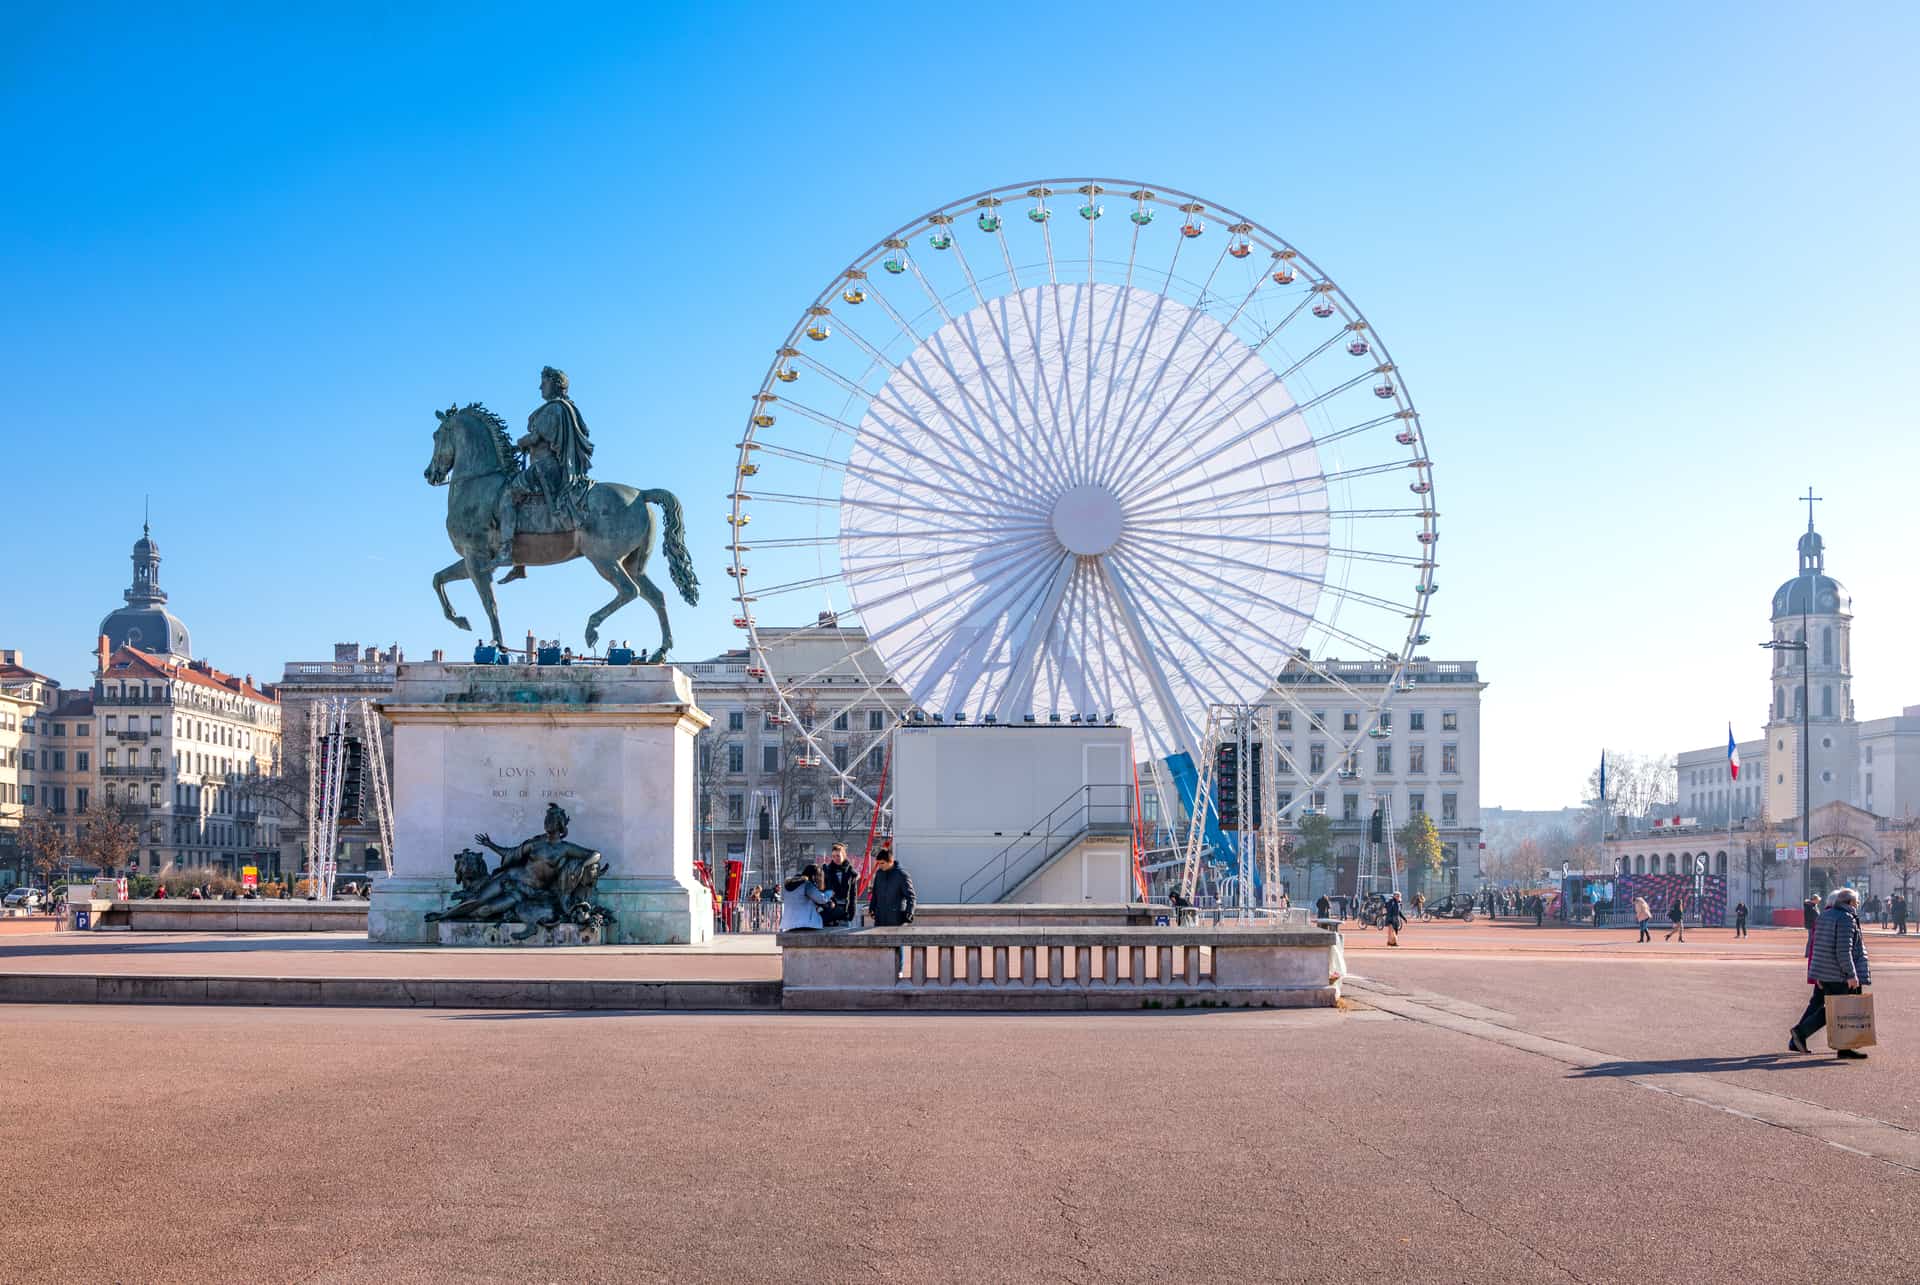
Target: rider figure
559,454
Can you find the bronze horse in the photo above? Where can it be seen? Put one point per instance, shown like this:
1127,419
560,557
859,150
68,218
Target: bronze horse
474,459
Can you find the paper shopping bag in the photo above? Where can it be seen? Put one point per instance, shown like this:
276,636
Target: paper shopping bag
1850,1022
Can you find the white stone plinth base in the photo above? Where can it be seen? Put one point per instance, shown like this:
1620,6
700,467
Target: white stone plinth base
484,749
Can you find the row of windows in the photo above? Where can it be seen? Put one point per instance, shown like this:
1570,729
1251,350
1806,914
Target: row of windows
1350,720
55,797
770,758
79,729
876,720
1382,760
1682,864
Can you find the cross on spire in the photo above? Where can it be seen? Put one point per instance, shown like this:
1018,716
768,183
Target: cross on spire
1811,499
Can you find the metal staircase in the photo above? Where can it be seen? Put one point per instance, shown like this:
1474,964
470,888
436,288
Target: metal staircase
1105,809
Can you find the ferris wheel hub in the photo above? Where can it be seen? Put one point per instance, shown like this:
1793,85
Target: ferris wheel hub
1087,519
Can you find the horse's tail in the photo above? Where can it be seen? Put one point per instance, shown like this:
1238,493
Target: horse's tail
673,540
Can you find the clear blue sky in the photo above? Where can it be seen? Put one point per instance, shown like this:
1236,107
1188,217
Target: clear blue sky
1650,269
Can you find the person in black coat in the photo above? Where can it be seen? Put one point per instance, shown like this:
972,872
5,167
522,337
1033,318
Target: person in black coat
842,883
890,899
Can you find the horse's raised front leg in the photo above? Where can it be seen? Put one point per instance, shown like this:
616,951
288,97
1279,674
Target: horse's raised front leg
455,571
478,569
625,591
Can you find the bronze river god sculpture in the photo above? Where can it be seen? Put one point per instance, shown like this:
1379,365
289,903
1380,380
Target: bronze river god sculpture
540,883
531,503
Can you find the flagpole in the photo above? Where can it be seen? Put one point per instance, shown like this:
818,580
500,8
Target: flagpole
1733,783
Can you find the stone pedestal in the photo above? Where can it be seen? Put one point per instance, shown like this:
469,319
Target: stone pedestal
508,934
485,748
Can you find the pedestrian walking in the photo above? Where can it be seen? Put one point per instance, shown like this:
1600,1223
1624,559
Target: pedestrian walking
890,900
1539,912
1419,905
1837,964
1677,916
1740,920
1395,918
1323,908
1643,915
1900,913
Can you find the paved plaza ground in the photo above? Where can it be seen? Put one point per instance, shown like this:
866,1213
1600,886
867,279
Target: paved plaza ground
1505,1104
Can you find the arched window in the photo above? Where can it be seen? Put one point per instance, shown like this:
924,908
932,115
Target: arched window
1799,699
1640,863
1719,863
1826,701
1826,645
1779,702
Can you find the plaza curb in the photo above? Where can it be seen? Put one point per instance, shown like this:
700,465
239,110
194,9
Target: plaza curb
571,994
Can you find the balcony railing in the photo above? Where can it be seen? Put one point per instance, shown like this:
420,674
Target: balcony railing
131,734
133,769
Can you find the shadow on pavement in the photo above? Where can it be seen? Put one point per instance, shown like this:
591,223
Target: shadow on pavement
1703,1065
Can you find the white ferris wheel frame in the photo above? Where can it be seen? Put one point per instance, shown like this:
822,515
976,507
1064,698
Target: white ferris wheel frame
872,675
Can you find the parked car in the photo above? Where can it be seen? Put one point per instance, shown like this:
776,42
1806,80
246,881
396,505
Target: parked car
1455,905
24,898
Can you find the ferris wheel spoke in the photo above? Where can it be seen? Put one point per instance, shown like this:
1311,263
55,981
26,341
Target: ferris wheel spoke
1219,559
967,600
1179,726
938,350
1186,431
1012,367
1022,553
880,476
1120,473
1313,481
1295,448
1312,622
957,458
1174,531
1018,688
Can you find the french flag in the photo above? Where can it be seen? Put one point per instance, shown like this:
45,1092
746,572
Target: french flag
1733,754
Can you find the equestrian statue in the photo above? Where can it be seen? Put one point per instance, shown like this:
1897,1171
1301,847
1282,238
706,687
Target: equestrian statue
531,503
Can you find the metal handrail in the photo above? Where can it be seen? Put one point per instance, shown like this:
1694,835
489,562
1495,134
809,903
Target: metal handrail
1065,823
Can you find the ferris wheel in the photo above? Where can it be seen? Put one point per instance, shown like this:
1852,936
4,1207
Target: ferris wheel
1077,449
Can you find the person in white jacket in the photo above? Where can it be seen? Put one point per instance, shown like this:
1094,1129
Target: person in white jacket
800,901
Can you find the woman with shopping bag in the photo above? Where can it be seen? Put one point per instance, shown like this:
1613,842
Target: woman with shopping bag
1837,965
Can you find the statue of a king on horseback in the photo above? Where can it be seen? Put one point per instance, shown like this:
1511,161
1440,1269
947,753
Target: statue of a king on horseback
531,503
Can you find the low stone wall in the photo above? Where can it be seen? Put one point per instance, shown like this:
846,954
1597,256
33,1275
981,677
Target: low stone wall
170,916
391,992
1013,914
1057,968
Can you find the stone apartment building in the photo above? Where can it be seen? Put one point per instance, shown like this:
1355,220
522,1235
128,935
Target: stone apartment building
1426,759
45,756
758,796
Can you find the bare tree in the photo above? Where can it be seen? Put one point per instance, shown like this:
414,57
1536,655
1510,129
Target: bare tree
108,834
1906,852
1637,784
44,848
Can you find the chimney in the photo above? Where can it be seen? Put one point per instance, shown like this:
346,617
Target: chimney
345,651
439,657
100,654
373,654
250,680
529,645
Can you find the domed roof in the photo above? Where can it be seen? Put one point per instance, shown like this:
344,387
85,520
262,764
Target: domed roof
1829,597
150,629
144,547
1813,592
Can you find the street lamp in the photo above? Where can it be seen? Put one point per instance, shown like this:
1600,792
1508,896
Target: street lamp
1803,646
